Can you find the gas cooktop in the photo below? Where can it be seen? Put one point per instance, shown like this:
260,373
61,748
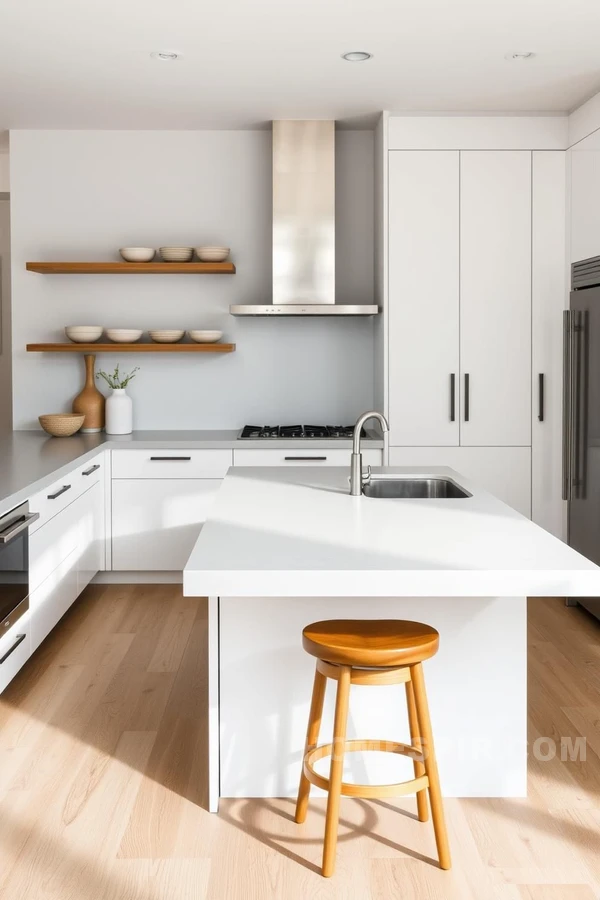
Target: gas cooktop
288,432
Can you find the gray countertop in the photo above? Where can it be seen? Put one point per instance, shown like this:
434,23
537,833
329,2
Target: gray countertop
31,460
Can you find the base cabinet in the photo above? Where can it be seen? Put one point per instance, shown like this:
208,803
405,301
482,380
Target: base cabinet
503,471
156,522
64,556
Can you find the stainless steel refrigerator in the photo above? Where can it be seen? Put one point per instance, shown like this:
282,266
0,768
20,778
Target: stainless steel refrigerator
581,414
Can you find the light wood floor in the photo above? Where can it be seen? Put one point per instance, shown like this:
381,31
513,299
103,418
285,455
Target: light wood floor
102,787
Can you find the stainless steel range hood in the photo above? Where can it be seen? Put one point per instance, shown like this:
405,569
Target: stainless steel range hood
303,225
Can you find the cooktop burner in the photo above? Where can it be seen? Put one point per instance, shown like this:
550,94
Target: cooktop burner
287,432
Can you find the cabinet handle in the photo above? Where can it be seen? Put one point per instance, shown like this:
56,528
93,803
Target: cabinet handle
92,469
19,640
299,458
65,487
541,396
467,399
452,397
170,458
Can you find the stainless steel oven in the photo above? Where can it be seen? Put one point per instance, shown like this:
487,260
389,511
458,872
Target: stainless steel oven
14,565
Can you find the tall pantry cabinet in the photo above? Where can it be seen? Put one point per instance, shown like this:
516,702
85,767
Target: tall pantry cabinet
475,288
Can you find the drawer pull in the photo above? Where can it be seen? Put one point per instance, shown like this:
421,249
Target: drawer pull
19,640
300,458
170,458
92,469
65,487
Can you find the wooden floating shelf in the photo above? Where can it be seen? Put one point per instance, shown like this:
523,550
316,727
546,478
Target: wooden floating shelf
127,268
130,348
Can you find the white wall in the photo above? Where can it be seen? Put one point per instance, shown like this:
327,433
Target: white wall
82,194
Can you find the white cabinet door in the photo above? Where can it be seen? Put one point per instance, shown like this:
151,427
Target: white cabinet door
503,471
584,163
549,298
90,523
53,543
423,297
156,522
495,298
49,602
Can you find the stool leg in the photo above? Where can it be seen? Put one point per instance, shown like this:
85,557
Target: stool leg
335,771
435,794
415,738
312,737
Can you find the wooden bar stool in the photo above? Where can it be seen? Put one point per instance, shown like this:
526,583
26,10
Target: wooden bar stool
381,651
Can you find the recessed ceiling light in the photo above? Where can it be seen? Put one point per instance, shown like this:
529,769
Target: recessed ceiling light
357,56
165,55
524,54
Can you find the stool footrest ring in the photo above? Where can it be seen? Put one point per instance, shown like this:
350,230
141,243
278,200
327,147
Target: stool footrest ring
366,791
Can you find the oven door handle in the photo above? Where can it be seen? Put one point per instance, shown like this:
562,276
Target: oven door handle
25,522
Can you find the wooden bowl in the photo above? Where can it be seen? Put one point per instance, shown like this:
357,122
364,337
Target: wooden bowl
61,424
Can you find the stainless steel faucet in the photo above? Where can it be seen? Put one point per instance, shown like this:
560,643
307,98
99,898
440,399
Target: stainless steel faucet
357,479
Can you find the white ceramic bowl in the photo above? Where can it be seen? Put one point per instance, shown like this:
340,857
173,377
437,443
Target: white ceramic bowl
84,334
206,337
137,254
212,254
177,254
124,335
166,336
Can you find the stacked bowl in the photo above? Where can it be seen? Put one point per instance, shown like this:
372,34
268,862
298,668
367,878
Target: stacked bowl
176,254
212,254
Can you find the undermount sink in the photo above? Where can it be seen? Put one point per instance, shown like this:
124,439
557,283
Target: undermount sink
414,488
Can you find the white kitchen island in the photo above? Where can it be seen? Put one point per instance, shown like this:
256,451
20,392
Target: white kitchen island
285,547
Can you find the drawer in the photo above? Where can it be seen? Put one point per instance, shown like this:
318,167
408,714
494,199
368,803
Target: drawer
62,492
170,463
49,602
302,457
50,545
17,644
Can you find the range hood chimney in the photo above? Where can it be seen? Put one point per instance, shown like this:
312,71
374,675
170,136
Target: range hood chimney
303,225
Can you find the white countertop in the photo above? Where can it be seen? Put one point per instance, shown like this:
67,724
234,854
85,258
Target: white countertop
298,533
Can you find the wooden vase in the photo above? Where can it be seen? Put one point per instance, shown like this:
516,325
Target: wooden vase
90,402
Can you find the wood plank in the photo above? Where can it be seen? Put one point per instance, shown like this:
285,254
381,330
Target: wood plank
130,348
103,780
129,268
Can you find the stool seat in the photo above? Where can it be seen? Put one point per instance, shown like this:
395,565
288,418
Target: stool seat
370,642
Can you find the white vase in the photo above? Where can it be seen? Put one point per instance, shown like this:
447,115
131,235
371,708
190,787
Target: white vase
119,412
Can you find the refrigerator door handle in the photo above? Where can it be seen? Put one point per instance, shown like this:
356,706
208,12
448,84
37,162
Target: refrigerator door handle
579,403
566,433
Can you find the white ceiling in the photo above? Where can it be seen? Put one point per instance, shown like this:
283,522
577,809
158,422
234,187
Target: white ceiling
77,64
